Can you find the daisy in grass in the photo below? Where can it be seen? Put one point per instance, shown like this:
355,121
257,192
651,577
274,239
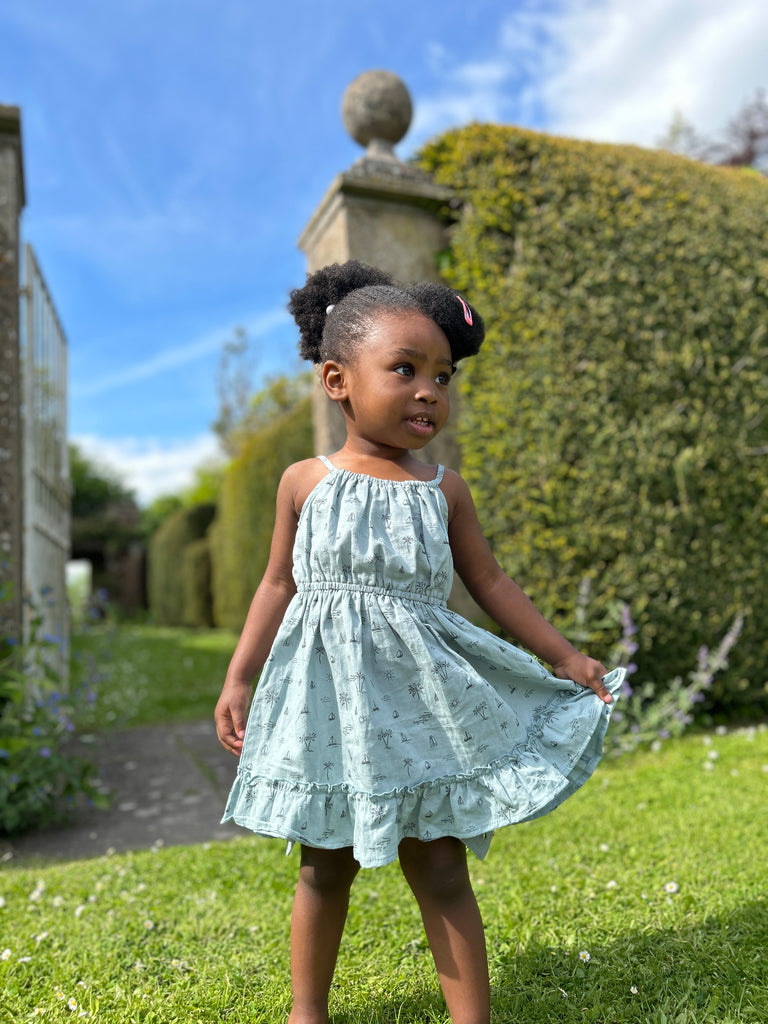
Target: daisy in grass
671,887
584,956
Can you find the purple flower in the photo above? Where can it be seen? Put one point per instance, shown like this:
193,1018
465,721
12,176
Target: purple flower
45,752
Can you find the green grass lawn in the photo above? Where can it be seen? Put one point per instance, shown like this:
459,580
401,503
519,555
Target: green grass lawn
155,675
642,899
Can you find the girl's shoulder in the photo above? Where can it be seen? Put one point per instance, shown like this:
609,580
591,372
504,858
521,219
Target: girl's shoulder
456,491
299,479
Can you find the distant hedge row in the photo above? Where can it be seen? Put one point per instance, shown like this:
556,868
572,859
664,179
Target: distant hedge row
242,532
615,425
204,571
177,567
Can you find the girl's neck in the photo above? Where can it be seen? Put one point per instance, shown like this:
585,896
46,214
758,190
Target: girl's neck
381,461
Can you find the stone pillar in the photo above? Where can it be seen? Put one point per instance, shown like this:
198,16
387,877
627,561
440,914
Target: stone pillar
11,205
381,211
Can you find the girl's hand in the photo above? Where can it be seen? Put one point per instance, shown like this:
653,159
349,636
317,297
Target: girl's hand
230,716
585,671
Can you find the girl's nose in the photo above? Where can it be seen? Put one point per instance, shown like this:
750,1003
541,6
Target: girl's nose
426,392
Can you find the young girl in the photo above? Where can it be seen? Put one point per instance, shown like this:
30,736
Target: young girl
385,725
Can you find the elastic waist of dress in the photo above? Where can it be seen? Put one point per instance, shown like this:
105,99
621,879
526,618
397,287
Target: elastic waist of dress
364,588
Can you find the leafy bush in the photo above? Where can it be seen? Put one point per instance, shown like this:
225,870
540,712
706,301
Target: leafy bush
42,770
613,425
649,712
166,578
242,532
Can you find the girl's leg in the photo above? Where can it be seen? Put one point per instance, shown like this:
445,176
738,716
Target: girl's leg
317,922
437,873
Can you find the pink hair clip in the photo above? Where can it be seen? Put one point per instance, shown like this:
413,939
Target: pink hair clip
467,310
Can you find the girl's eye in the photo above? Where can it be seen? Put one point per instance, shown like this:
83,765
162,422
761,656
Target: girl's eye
443,378
405,369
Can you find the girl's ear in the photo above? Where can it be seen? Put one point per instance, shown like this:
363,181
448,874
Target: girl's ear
334,381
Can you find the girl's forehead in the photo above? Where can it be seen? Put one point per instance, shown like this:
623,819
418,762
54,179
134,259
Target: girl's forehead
394,330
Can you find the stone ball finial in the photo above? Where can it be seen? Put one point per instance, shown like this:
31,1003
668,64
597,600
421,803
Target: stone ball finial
377,109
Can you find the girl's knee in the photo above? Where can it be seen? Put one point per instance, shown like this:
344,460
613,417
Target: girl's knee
327,871
436,870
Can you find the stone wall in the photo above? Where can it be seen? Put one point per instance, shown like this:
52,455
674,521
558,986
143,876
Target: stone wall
11,204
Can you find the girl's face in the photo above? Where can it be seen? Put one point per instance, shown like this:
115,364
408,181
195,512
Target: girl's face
396,388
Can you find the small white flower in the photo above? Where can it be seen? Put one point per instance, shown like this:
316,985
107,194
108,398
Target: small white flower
633,990
584,956
721,730
6,954
670,887
79,910
140,887
604,847
707,741
71,1004
24,959
60,995
149,925
708,766
35,895
553,888
2,901
41,936
764,768
713,755
58,901
613,884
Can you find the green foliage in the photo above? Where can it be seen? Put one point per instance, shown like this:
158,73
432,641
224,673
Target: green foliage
43,772
166,578
155,514
242,532
94,487
613,425
196,569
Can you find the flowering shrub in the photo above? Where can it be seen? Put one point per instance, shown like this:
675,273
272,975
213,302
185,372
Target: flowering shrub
648,712
42,771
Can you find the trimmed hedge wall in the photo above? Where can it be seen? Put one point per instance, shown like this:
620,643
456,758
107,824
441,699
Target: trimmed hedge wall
198,600
167,577
242,532
614,425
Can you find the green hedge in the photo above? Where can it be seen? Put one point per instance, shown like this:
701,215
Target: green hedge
198,599
614,424
242,532
166,575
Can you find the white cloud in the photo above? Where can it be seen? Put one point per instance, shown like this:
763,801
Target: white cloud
151,467
608,70
176,357
619,70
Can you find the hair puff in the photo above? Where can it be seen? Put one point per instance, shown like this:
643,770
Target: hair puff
460,323
327,287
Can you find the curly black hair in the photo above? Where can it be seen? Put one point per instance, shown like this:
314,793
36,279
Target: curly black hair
339,305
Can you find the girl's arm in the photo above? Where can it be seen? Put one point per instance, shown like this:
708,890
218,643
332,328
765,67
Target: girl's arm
264,617
505,602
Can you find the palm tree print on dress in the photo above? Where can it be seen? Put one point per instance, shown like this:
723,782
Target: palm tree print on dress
481,735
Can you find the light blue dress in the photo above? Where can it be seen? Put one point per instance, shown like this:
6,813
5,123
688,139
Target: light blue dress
381,714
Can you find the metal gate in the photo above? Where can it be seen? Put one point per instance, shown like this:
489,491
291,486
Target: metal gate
45,458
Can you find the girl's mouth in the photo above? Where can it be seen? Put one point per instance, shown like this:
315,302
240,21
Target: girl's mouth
421,424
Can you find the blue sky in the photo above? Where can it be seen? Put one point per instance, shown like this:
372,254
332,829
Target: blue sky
175,150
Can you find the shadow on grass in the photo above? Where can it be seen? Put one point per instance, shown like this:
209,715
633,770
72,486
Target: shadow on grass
712,971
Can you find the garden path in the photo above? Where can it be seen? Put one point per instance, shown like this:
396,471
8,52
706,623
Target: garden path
169,784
